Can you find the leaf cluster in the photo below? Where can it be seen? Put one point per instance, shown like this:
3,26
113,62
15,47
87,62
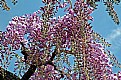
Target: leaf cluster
4,5
109,7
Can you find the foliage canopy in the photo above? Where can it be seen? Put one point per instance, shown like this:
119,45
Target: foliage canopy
48,44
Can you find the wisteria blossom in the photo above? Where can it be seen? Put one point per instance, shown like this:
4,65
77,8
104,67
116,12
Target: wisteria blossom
46,43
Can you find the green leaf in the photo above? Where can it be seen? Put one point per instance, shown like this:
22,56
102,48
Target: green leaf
111,12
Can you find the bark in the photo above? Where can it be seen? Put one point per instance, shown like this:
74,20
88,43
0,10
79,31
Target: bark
29,73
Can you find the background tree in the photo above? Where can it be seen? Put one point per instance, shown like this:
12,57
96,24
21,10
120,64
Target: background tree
48,43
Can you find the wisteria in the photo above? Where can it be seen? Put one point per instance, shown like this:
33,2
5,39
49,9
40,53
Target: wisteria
47,42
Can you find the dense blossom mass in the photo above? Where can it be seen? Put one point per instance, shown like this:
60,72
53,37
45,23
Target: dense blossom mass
48,42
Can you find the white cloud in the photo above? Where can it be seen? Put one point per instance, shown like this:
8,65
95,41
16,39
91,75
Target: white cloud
115,39
116,33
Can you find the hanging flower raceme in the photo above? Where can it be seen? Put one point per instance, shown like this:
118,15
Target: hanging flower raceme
69,34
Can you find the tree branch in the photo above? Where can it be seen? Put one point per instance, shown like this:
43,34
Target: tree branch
33,67
29,73
51,63
31,70
24,51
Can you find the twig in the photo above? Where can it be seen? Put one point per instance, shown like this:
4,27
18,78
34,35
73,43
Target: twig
23,51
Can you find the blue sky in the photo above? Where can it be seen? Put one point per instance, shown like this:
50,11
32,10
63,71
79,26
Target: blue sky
103,24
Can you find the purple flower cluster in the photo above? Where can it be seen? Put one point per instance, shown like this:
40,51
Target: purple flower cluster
71,33
46,72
